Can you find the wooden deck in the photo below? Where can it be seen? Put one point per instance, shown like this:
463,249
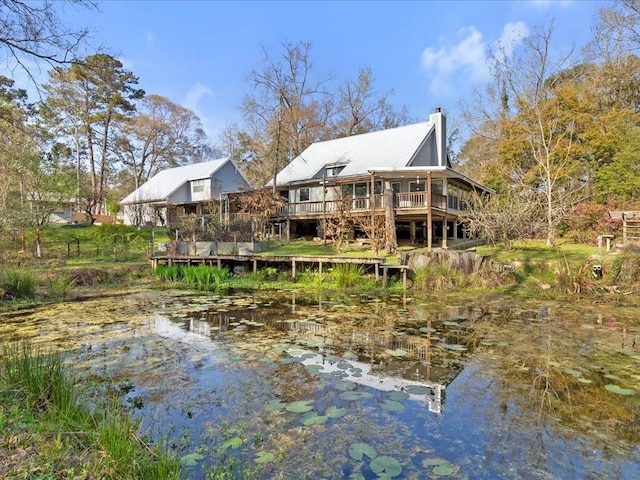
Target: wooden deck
253,261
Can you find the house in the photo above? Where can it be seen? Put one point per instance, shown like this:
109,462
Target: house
410,161
178,191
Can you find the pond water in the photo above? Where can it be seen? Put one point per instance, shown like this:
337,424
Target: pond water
281,385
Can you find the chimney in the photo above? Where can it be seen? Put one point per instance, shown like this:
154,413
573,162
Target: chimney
440,123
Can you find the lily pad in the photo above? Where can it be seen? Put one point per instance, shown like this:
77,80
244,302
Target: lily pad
427,329
445,470
355,395
345,386
385,465
397,395
235,442
417,390
356,476
265,457
392,406
357,450
454,346
335,412
618,390
191,460
312,418
275,404
300,406
584,380
398,352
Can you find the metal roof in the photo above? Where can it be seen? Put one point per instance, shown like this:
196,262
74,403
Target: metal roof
393,148
164,183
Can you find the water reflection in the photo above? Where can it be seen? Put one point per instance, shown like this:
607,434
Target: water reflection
497,388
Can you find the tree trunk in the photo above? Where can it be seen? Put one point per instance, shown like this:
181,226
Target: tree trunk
390,222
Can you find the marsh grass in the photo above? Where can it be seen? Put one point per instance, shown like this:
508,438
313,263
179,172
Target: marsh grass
58,435
347,275
18,283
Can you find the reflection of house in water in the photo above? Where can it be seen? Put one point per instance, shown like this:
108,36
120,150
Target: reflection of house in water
361,373
395,351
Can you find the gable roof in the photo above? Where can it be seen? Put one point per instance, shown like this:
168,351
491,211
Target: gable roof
393,148
164,183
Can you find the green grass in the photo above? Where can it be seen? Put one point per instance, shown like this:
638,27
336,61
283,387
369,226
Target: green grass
42,417
537,251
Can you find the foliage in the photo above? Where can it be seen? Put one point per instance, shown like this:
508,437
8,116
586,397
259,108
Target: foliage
201,277
101,441
17,283
588,220
347,275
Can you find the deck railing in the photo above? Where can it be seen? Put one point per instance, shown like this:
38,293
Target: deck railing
403,201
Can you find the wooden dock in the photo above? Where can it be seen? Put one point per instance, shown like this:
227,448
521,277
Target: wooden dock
253,261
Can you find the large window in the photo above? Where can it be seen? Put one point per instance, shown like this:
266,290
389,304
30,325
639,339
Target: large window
360,190
197,186
304,194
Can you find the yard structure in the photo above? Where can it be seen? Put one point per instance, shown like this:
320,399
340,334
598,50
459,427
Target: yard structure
630,224
398,179
189,189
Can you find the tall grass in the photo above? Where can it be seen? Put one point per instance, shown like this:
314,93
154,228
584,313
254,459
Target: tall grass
347,275
41,409
202,277
18,283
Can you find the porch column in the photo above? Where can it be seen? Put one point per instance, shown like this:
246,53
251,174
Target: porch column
444,232
429,216
412,232
455,229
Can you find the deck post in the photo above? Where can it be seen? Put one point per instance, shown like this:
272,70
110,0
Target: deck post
429,217
377,270
444,232
320,267
404,278
293,269
384,276
255,266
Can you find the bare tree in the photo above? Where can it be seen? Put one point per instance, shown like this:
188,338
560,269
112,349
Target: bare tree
33,31
504,218
289,107
162,135
340,222
261,204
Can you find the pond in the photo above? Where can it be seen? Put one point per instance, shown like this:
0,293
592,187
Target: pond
281,385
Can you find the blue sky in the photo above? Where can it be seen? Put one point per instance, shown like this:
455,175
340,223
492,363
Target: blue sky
431,53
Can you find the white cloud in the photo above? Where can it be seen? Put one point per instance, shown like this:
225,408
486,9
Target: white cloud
512,35
198,100
468,58
151,38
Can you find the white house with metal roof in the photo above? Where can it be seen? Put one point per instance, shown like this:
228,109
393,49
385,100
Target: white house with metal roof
182,190
411,161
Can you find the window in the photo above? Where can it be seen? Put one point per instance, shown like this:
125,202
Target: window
334,171
304,194
395,186
436,187
197,186
360,190
417,187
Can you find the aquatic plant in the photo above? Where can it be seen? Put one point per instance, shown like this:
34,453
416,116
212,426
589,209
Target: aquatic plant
37,394
17,283
347,275
437,278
